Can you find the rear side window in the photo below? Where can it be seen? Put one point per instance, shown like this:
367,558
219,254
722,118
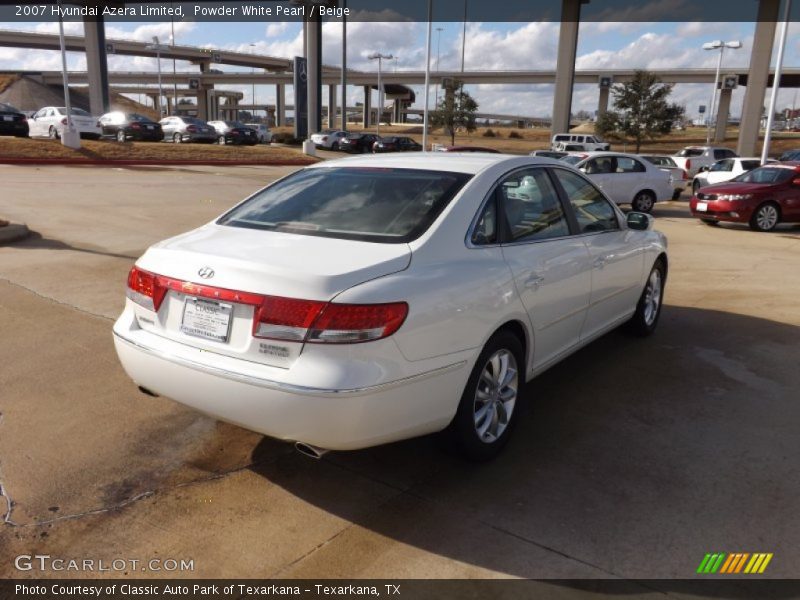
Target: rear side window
748,165
561,138
690,152
531,206
629,165
592,210
367,204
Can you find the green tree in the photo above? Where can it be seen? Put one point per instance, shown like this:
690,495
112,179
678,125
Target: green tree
641,109
457,109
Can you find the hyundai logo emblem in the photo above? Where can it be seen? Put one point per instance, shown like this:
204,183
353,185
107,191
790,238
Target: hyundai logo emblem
206,272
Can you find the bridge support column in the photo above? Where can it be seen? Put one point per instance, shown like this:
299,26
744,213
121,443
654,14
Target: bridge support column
723,111
280,105
757,76
331,107
565,65
602,104
94,32
314,57
367,106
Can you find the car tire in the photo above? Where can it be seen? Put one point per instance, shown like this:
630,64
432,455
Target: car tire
478,431
676,194
335,146
643,201
177,138
710,222
695,187
53,133
765,217
121,135
648,309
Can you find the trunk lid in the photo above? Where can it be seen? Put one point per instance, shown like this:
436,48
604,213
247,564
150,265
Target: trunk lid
259,262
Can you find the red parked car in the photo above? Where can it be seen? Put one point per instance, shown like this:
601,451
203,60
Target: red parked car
761,198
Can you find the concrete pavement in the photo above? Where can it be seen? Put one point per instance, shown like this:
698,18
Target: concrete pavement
634,457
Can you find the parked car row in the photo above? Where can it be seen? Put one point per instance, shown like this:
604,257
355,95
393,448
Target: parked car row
123,126
360,143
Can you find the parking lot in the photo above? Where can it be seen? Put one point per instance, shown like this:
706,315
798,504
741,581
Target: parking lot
633,459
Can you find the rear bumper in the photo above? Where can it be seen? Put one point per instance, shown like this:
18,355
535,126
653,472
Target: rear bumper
267,400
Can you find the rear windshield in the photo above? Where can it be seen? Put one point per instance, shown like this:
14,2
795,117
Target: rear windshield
367,204
76,112
572,159
193,121
134,117
767,175
7,107
691,152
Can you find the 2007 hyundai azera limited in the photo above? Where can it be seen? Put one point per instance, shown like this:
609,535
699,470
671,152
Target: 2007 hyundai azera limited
366,300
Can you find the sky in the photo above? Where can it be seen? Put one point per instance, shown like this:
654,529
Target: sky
601,45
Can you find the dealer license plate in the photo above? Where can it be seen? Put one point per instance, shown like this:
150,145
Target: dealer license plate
8,118
206,319
702,207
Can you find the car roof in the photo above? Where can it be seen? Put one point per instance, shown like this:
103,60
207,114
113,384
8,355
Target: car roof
467,162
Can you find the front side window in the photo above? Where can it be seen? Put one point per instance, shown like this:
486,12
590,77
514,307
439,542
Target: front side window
531,205
601,165
367,204
592,210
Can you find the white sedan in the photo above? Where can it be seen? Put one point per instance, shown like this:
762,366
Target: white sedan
724,170
328,138
371,299
50,122
625,178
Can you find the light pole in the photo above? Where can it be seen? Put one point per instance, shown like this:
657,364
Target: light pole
174,68
717,45
158,48
379,57
464,37
438,43
776,82
69,135
252,72
427,77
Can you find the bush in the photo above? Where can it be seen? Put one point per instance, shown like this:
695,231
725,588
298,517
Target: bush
489,133
514,135
286,138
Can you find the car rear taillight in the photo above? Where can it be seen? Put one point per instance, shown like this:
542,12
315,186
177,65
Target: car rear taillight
685,175
688,163
135,126
64,121
350,323
279,318
324,138
145,289
191,129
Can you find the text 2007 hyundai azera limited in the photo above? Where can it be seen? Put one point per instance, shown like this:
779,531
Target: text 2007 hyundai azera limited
366,300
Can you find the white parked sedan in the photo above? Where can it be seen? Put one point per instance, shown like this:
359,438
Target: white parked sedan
50,122
371,299
724,170
328,138
625,178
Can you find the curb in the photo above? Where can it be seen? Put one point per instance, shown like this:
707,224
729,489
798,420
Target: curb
161,163
13,233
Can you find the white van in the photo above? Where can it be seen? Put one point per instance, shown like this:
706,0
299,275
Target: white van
589,142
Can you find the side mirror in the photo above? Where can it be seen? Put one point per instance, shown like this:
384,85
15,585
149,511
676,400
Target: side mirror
702,169
639,221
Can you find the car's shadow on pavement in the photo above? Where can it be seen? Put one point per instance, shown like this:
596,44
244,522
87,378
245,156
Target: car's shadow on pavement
685,442
36,241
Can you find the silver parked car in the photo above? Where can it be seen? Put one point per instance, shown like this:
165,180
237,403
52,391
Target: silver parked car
187,129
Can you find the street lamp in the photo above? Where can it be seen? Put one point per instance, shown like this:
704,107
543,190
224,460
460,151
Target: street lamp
438,42
252,72
717,45
380,58
158,48
70,137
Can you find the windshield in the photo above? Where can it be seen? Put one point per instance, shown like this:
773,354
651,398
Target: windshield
134,117
235,124
572,159
690,152
7,107
766,175
367,204
193,121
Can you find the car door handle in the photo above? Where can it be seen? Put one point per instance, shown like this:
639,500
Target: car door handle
534,281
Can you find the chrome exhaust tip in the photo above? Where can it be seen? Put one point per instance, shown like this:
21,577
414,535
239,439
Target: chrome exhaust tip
310,450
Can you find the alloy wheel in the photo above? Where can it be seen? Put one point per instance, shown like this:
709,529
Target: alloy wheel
652,297
495,396
767,217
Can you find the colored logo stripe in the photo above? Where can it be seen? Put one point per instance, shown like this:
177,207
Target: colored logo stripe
735,562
